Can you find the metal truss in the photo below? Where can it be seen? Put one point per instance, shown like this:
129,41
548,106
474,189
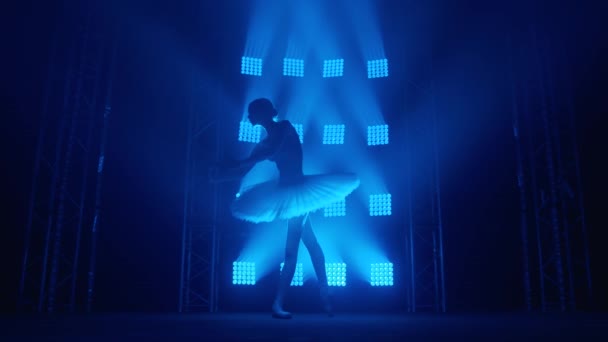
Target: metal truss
555,249
424,232
64,189
198,281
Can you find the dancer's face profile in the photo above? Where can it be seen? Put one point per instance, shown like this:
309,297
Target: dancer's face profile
257,117
261,111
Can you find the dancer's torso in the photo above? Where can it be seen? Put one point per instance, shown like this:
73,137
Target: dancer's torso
288,156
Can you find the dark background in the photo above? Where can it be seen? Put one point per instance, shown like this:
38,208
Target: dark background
140,245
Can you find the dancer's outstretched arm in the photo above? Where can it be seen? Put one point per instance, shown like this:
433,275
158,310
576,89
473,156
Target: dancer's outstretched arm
234,170
265,149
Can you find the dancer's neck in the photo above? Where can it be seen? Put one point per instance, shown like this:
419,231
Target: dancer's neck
269,125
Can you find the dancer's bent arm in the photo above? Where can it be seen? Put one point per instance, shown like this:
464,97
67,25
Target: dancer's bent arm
234,170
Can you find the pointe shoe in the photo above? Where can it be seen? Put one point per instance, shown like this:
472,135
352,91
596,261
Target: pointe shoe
277,312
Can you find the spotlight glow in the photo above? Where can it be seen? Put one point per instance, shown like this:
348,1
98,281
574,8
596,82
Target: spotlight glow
249,133
336,274
382,274
300,129
377,135
377,68
251,66
336,209
380,205
293,67
298,277
333,134
243,273
333,68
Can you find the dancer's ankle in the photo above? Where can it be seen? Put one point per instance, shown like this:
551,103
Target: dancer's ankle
277,305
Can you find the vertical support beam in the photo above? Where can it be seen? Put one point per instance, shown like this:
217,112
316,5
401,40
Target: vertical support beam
425,224
521,185
54,233
560,183
548,177
538,219
214,226
549,160
57,247
198,283
52,199
92,112
95,223
411,298
437,194
184,283
580,218
39,168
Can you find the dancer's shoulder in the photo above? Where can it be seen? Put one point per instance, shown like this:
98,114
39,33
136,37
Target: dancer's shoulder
286,125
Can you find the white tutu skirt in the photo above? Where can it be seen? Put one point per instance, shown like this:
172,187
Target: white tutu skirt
273,200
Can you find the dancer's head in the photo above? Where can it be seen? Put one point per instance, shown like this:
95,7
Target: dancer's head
261,111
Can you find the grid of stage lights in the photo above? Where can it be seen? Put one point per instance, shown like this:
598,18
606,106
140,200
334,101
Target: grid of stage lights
251,66
333,134
336,274
243,273
249,132
377,68
298,276
333,68
377,135
380,205
382,274
300,129
335,209
293,67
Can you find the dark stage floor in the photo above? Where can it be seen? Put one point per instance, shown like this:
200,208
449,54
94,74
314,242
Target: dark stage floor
305,327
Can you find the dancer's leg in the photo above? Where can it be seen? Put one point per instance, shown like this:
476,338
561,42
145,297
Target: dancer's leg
318,262
294,234
315,251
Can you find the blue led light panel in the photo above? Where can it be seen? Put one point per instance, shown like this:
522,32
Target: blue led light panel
377,135
380,205
336,209
377,68
336,274
298,277
251,66
382,274
333,68
333,134
249,132
300,129
243,273
293,67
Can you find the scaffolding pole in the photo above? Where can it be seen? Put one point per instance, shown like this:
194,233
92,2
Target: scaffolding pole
200,239
549,179
424,229
60,197
95,221
521,185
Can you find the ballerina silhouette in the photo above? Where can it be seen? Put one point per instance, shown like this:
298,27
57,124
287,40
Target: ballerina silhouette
291,197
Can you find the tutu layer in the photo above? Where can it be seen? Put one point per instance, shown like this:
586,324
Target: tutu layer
269,201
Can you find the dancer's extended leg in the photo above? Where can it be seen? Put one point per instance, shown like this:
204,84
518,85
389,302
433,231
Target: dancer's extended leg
318,262
294,234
